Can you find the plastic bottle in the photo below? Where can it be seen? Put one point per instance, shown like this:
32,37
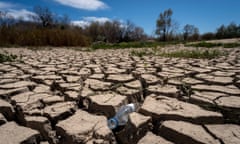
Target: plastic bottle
121,117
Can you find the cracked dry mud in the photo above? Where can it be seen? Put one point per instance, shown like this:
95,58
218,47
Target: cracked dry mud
65,96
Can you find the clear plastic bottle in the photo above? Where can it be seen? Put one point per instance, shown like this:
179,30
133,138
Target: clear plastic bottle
121,117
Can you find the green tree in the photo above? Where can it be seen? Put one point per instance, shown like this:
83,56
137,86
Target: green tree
164,24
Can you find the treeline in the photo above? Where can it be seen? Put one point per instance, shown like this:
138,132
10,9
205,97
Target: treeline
114,32
42,29
167,29
46,28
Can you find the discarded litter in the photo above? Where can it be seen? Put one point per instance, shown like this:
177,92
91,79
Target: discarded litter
121,117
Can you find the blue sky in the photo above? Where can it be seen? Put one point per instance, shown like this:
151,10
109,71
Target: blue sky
207,15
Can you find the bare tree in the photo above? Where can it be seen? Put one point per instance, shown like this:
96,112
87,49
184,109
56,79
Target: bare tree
164,24
44,15
138,34
190,32
112,31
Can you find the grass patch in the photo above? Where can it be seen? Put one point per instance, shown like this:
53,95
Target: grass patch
211,45
140,53
231,45
204,44
204,54
197,54
7,58
122,45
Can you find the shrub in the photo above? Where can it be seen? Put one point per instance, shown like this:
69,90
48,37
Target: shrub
7,57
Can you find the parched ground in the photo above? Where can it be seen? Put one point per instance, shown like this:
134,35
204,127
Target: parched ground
66,96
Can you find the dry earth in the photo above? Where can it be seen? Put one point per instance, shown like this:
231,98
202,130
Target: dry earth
66,96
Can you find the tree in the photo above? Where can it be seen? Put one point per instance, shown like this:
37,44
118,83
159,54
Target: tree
138,34
112,31
164,24
221,32
94,31
127,31
208,36
44,15
230,31
190,32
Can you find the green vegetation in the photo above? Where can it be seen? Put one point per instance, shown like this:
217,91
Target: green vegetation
231,45
7,58
103,45
211,45
204,44
140,53
205,54
197,54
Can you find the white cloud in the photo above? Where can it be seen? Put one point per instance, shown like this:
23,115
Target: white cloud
9,9
84,4
86,21
80,23
96,19
21,14
5,5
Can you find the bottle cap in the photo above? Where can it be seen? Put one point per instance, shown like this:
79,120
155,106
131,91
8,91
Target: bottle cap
112,123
